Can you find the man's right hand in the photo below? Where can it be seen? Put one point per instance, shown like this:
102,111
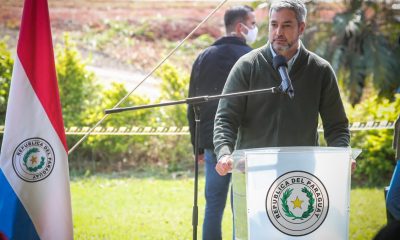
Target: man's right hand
224,165
201,158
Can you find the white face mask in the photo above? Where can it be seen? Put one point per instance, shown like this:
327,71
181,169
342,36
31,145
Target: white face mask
251,34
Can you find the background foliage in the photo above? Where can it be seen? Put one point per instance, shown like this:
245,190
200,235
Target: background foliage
361,43
78,92
6,66
83,104
376,163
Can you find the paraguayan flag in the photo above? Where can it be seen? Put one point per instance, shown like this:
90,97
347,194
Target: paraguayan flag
35,200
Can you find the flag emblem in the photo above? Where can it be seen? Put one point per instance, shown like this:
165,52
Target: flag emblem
33,159
297,203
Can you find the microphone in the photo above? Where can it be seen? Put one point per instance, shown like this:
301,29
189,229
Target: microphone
281,66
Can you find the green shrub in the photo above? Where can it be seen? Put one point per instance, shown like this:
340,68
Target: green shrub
173,87
115,153
78,92
376,163
176,150
78,95
110,97
6,66
114,149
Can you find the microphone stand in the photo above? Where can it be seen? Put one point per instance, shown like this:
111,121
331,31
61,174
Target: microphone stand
195,101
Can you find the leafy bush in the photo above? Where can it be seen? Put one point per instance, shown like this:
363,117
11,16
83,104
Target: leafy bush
173,87
120,152
376,163
6,66
110,98
84,103
114,149
176,150
78,92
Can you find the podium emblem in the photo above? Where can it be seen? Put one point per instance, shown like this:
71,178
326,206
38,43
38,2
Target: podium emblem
297,203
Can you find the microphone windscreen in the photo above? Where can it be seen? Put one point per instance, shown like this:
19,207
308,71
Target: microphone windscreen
279,61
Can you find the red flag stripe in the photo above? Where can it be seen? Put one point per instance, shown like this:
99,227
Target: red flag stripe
35,51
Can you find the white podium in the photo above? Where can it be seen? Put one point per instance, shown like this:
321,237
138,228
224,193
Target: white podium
292,193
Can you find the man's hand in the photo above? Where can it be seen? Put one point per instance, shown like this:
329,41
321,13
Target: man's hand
201,158
353,165
224,165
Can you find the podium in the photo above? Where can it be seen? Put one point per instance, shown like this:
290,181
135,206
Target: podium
292,193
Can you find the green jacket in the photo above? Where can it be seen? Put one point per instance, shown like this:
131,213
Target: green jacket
273,120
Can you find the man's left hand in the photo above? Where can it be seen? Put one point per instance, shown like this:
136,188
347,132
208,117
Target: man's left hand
353,165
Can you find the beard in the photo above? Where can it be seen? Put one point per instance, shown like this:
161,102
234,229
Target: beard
281,48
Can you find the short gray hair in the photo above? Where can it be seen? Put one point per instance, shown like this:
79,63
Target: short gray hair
295,5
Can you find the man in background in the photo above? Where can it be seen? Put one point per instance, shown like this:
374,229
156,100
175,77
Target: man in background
208,77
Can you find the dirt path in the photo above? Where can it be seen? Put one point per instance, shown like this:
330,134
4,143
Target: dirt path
167,20
105,76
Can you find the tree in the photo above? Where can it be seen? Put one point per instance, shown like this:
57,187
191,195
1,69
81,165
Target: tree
359,44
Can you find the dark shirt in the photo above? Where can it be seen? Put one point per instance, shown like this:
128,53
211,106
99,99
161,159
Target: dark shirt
208,77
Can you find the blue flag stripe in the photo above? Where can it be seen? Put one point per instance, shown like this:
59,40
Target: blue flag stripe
15,222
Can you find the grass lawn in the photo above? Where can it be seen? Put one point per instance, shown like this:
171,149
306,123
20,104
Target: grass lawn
161,208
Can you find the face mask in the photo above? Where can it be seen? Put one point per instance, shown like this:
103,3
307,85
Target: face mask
251,34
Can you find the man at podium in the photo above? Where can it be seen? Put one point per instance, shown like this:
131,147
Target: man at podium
275,120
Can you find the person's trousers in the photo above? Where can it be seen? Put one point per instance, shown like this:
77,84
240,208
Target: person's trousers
216,191
393,195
